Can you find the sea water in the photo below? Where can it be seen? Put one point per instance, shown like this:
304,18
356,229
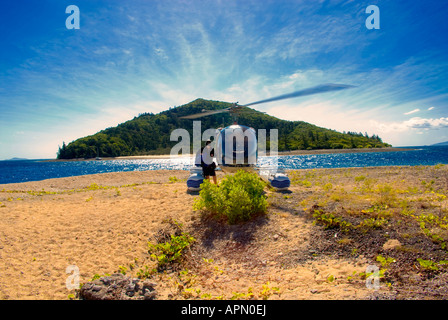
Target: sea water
35,170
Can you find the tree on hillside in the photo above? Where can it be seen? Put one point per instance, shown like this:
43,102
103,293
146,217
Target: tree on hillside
150,133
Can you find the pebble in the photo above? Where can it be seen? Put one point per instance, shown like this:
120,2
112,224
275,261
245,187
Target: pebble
150,295
130,293
96,288
149,283
130,287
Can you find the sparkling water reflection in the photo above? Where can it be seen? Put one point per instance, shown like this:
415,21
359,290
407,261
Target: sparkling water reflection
34,170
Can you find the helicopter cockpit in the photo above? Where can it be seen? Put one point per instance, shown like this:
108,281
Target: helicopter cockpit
236,148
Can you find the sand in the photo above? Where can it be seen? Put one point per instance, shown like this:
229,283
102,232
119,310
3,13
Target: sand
101,222
96,230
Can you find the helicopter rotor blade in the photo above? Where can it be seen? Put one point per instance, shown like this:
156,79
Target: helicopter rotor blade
203,114
243,111
304,92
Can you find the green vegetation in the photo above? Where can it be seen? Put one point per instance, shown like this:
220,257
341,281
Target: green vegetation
330,221
236,199
146,272
431,265
172,250
173,179
267,291
385,262
377,203
122,269
150,133
243,296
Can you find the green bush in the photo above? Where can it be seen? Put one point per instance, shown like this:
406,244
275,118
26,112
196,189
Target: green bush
236,199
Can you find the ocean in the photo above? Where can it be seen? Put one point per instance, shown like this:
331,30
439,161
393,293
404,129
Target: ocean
13,171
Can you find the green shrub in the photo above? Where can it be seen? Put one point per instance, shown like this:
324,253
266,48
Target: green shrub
236,199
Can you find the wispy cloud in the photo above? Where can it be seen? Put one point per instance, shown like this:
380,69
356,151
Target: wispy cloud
412,111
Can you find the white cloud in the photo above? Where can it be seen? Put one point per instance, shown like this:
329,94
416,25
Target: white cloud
411,112
413,123
428,123
431,108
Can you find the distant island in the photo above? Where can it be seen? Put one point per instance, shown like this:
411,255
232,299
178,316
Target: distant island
440,144
15,159
149,134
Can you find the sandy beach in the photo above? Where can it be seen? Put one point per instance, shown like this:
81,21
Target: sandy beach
102,224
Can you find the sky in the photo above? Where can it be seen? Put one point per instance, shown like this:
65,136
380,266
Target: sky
129,57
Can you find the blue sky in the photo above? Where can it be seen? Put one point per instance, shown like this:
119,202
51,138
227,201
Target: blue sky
130,57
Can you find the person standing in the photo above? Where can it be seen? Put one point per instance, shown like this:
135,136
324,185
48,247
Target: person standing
207,163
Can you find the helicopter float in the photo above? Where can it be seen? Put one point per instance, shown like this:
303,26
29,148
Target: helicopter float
236,146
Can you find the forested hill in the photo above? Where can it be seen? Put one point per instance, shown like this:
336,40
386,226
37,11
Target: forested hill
440,144
150,133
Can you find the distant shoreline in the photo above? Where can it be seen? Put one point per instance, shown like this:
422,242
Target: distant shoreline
280,153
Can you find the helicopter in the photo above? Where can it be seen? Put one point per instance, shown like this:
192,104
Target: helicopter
236,146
